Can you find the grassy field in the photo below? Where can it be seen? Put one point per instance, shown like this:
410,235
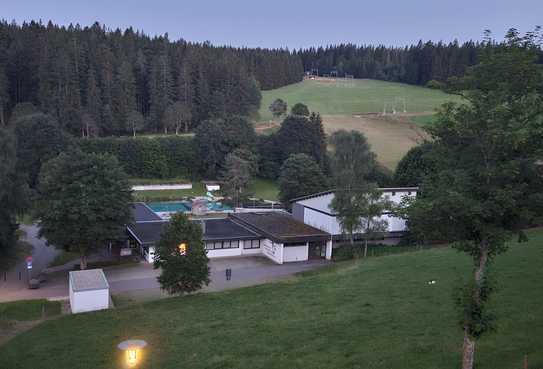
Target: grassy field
28,309
375,313
358,105
264,189
423,120
261,188
358,96
198,189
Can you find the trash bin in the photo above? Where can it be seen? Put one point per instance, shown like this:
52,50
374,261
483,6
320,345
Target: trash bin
34,284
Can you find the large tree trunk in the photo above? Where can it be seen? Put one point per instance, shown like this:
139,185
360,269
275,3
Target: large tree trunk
468,350
468,355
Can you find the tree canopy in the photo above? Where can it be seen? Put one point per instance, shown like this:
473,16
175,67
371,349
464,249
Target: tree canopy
39,138
12,195
300,109
351,163
303,135
83,201
416,164
72,71
300,176
486,186
278,108
216,138
181,256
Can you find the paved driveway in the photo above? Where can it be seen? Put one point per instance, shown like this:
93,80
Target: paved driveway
246,271
42,255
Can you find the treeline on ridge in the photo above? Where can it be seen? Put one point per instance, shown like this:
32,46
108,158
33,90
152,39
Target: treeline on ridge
99,82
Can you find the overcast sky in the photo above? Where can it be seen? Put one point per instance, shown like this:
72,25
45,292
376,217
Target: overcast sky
291,23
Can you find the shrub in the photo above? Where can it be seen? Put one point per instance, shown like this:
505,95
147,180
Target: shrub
143,157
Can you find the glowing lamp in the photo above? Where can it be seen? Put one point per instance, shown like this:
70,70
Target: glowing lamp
182,248
133,350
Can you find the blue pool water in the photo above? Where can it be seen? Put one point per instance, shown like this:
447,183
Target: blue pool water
184,206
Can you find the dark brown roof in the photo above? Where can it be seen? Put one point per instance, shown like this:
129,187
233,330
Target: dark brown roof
280,227
142,213
215,230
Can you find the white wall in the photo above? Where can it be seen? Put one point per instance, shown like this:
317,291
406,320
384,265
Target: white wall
220,253
92,300
329,248
272,250
295,253
322,221
330,224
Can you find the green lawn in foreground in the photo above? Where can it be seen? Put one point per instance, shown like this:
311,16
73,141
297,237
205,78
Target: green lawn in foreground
28,310
360,96
375,313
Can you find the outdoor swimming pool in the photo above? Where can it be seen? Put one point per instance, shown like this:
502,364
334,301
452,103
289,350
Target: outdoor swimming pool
184,206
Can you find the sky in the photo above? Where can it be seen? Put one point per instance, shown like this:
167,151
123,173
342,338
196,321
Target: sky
291,23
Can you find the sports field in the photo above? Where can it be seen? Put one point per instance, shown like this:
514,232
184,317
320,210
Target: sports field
378,313
357,96
358,104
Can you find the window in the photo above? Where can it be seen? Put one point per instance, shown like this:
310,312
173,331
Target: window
218,245
251,244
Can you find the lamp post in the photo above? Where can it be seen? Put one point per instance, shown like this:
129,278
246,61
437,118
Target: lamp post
133,351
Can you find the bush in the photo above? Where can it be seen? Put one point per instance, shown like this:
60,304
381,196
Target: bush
143,157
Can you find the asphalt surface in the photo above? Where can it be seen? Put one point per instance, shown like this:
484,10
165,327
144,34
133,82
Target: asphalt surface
246,271
42,255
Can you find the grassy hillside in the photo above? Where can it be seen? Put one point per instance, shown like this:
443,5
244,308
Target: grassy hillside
354,97
376,313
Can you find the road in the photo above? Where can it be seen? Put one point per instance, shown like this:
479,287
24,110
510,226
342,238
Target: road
42,255
246,271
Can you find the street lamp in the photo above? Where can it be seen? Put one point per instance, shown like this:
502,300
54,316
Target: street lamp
182,248
133,349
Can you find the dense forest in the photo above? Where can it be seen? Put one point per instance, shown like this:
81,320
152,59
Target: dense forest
100,82
96,81
416,64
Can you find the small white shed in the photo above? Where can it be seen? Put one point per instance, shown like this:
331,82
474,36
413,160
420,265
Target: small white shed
89,291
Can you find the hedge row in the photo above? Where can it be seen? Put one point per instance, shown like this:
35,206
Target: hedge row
145,157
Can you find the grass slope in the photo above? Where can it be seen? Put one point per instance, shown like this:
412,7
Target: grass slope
355,97
377,313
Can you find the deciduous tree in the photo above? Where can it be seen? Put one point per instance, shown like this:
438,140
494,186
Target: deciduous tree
351,162
486,186
300,109
181,256
83,202
278,108
300,176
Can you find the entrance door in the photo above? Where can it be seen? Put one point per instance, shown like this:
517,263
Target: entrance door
317,250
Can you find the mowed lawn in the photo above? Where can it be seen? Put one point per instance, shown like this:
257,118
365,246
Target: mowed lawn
260,188
358,96
375,313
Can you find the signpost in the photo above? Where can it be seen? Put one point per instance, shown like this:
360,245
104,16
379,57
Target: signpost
29,268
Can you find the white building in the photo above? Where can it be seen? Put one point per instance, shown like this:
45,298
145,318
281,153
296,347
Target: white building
315,210
89,290
274,234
